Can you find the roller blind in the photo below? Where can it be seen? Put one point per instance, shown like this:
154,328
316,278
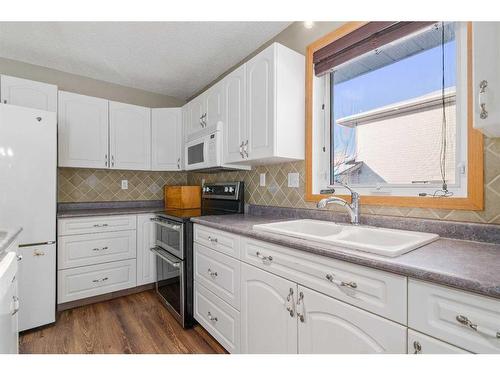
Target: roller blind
365,39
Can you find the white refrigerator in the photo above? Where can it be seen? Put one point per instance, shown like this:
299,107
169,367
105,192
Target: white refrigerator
28,176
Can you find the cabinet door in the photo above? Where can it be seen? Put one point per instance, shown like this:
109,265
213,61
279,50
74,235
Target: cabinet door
130,136
9,303
27,93
418,343
213,105
266,324
166,139
234,115
329,326
83,131
260,109
146,260
486,42
196,111
37,286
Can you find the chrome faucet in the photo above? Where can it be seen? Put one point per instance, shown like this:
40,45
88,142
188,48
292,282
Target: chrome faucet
352,208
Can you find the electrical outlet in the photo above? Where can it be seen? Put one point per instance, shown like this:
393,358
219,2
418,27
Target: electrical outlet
293,180
262,180
124,184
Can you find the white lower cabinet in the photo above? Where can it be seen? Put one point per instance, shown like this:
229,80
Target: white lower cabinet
418,343
469,321
268,323
146,260
83,282
289,304
220,319
329,326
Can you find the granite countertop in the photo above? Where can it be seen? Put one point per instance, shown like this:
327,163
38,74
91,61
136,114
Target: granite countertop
467,265
10,235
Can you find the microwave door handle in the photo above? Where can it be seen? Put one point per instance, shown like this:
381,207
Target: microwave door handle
156,251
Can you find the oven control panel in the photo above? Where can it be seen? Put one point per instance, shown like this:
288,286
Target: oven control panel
222,190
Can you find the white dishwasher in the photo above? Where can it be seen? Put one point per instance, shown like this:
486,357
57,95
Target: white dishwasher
9,304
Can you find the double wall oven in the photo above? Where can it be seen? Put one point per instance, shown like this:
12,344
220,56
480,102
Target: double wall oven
174,246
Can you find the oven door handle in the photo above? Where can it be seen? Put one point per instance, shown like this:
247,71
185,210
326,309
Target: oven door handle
174,262
164,224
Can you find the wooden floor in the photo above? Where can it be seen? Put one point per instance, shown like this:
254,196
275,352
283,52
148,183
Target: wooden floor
137,323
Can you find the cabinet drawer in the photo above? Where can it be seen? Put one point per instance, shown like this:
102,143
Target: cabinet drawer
219,273
418,343
95,224
444,313
376,291
83,282
95,248
218,318
224,242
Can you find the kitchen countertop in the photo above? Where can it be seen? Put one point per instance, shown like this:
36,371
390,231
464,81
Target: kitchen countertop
467,265
68,210
11,234
79,212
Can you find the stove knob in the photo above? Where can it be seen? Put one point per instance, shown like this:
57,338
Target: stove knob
226,189
231,189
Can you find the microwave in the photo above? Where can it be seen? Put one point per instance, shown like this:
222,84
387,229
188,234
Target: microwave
204,152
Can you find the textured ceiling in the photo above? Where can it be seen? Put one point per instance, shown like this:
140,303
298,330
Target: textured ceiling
171,58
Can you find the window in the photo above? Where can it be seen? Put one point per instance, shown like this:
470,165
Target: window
393,129
388,113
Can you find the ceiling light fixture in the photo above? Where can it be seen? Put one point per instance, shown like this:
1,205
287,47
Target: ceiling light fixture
308,24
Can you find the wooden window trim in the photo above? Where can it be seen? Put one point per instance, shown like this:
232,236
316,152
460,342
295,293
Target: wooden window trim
475,146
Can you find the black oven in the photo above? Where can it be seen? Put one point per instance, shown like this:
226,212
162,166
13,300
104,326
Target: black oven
174,246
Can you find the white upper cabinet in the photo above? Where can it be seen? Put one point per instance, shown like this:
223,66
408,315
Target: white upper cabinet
273,126
83,131
234,115
27,93
328,326
267,323
260,105
129,136
195,115
213,102
486,80
205,112
167,139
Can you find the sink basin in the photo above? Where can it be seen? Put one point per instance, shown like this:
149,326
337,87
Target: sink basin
381,241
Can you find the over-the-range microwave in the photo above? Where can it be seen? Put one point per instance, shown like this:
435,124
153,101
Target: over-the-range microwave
205,152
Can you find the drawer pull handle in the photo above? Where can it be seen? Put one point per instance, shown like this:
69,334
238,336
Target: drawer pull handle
213,239
38,253
265,259
100,280
100,225
211,273
212,318
349,284
462,319
290,303
100,249
417,347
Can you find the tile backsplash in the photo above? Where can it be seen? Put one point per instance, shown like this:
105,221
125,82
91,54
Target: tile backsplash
95,185
89,185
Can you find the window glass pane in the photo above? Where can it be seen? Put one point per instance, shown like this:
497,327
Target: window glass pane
387,115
